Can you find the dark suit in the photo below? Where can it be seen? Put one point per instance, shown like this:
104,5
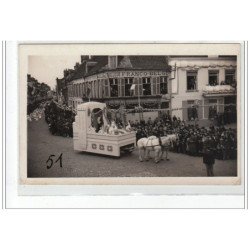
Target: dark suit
209,160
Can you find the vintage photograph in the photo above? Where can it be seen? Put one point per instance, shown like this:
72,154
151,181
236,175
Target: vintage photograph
169,115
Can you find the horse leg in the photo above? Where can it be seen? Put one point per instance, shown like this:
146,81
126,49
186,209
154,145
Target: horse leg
167,155
146,154
140,155
163,154
157,155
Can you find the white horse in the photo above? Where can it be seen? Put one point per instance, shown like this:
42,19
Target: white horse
146,145
165,148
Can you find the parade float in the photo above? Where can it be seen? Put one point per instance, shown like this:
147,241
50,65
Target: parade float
94,132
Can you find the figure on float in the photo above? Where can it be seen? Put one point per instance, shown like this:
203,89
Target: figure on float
94,132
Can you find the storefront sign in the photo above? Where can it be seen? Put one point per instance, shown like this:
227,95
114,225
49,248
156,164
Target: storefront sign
117,74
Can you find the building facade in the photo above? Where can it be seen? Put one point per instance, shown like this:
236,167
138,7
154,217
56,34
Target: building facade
122,81
203,86
189,87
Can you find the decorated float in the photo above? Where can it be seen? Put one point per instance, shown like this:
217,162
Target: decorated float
94,132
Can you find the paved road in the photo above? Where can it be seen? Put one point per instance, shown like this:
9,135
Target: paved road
41,144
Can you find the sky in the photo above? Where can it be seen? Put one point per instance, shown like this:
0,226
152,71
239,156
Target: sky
47,68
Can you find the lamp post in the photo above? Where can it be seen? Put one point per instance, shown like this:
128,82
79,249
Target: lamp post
170,89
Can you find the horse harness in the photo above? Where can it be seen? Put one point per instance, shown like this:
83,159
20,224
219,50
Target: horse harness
151,139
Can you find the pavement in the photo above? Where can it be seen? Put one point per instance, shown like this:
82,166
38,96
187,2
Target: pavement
41,144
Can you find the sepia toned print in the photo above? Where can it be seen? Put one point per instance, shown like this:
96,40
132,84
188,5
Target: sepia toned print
112,119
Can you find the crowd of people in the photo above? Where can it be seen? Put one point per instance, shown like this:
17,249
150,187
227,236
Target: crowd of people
60,119
192,139
36,114
37,93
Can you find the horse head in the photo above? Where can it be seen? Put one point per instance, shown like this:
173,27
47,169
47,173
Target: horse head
165,141
168,140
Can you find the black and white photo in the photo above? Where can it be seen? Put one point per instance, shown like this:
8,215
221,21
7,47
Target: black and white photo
127,115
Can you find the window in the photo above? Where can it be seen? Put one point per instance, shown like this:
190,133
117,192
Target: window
192,111
146,86
113,87
230,77
128,85
163,85
213,77
191,80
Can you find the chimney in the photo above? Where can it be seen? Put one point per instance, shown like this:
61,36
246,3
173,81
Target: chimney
84,58
112,62
76,66
65,73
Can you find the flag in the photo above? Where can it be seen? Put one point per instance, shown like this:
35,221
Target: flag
132,87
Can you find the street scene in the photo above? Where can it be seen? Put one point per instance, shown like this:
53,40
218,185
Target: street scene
41,144
134,116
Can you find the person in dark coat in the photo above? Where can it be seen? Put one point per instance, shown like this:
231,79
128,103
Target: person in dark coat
208,156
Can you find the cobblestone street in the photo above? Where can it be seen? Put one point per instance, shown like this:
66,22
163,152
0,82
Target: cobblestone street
41,144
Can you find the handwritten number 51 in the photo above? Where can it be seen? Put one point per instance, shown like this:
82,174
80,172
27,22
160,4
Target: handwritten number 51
50,161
